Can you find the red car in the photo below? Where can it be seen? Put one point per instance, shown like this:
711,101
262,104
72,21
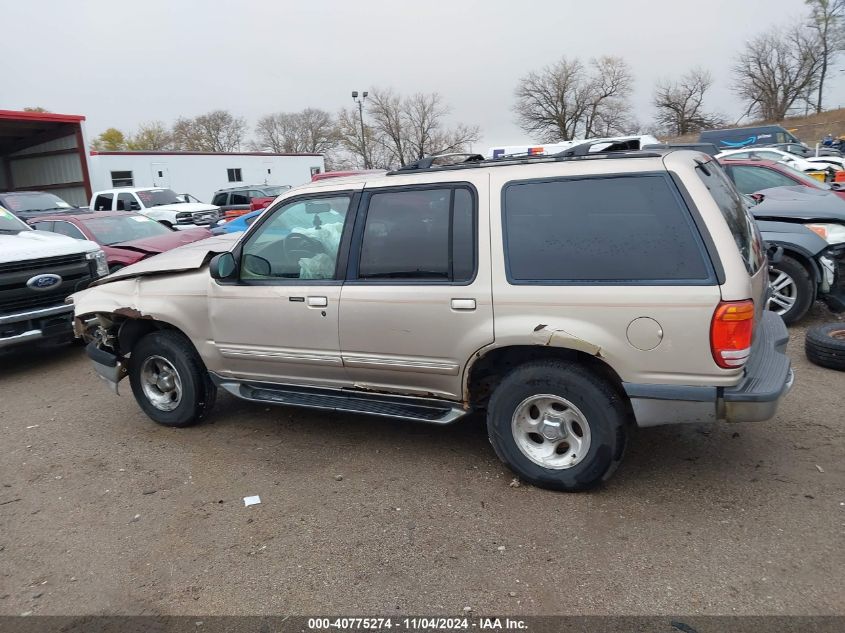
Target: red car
125,237
753,175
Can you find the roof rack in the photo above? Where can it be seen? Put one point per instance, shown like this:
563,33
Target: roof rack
576,152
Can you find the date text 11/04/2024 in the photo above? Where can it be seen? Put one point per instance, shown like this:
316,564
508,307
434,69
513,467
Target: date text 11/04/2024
416,624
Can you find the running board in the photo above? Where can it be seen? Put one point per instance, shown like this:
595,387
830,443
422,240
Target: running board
428,410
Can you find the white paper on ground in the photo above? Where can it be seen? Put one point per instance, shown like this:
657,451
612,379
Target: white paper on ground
252,501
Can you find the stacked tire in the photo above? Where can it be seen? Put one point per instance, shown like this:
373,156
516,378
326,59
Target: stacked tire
825,345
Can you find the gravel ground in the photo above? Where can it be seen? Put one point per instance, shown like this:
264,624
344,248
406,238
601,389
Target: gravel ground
102,511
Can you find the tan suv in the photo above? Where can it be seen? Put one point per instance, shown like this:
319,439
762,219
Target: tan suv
569,297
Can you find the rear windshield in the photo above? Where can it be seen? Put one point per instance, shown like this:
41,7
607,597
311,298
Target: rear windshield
734,209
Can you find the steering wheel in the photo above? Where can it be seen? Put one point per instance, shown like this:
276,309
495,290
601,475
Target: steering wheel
298,246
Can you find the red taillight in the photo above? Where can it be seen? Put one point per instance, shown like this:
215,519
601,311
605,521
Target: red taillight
730,333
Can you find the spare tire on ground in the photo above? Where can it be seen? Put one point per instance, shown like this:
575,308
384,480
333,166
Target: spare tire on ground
825,345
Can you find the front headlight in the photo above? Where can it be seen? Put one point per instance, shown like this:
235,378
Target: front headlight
102,264
831,233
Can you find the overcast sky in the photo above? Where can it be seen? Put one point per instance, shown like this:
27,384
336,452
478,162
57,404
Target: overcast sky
123,62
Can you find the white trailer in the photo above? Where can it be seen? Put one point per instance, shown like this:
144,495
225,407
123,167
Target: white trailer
200,174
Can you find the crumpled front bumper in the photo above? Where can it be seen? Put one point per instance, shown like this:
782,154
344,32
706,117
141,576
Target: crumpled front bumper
833,264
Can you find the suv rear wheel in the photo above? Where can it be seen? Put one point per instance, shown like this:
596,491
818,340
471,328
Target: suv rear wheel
169,380
557,425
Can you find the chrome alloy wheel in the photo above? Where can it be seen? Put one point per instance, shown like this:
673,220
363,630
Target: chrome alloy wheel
551,431
784,292
161,383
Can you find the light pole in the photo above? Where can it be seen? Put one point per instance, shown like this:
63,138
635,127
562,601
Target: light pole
360,103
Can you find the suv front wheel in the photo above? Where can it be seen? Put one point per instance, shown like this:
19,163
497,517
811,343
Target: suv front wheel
557,425
169,379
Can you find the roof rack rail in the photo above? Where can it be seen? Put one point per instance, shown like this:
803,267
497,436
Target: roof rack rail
577,152
428,161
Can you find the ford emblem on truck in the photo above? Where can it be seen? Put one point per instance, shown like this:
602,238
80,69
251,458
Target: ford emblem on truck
44,282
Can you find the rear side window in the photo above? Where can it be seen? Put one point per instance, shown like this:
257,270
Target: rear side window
603,229
733,208
239,197
419,235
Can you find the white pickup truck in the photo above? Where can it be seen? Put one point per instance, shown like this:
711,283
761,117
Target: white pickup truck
159,204
38,271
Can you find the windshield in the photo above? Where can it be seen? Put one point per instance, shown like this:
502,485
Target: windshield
275,191
23,202
9,223
158,197
115,229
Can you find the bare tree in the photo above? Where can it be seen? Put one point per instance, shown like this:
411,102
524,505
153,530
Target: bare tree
217,131
569,99
680,104
308,131
151,136
776,70
826,21
401,130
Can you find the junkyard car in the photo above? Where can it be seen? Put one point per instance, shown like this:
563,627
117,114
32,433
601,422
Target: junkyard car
125,237
569,297
38,271
809,224
162,205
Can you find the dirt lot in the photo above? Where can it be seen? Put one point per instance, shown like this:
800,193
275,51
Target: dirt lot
102,511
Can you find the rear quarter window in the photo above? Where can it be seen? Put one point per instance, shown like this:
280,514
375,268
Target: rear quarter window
733,208
615,229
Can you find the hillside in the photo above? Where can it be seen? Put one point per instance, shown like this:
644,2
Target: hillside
810,129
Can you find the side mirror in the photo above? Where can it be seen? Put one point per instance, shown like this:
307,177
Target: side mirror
223,266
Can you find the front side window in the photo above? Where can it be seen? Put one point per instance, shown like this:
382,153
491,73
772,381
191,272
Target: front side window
601,229
127,202
419,235
752,178
735,211
219,199
299,241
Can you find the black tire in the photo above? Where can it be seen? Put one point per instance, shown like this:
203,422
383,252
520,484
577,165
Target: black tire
197,390
600,404
804,288
825,345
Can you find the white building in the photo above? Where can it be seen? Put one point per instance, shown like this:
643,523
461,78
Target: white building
201,173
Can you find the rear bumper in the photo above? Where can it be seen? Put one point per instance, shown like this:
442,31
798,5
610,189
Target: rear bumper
767,378
33,325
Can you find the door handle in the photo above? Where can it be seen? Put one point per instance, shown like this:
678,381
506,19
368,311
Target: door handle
318,302
463,304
